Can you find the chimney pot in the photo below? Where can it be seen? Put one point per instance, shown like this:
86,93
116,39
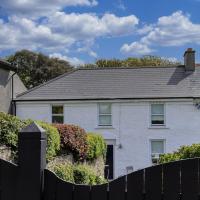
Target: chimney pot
189,60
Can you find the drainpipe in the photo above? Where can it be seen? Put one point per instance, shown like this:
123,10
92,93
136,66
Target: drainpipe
13,104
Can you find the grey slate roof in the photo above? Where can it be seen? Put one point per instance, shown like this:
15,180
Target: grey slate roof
119,83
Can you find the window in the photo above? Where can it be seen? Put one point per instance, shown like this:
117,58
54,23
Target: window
157,115
105,116
157,148
57,114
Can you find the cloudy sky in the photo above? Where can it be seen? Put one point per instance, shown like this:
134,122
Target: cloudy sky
82,31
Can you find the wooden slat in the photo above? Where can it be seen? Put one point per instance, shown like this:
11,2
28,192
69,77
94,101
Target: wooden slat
171,181
50,181
117,189
64,190
99,192
189,179
8,184
153,183
81,192
135,185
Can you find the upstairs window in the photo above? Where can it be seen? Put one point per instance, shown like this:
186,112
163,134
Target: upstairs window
157,115
157,149
105,115
57,114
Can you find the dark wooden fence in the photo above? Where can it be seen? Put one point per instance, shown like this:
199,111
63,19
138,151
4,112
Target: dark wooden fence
31,181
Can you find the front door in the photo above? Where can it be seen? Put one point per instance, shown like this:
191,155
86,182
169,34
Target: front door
109,162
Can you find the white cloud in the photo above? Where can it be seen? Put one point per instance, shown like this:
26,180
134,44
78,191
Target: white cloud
89,25
73,60
174,30
50,36
41,7
135,49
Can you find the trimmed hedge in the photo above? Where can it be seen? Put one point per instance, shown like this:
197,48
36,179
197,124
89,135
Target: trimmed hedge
183,152
73,140
53,139
96,146
79,174
11,125
9,128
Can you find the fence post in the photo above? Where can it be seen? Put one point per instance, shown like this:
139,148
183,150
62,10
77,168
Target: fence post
32,162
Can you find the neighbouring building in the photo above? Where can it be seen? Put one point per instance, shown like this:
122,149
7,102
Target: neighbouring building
10,86
141,112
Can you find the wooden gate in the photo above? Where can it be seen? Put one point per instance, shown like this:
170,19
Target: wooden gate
29,180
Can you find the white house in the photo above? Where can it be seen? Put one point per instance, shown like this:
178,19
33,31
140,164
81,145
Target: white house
141,112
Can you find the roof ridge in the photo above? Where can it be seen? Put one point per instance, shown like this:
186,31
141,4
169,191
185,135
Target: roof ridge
43,84
125,67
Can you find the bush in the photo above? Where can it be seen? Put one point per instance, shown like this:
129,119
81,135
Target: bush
73,140
79,174
53,139
9,128
183,152
65,172
96,146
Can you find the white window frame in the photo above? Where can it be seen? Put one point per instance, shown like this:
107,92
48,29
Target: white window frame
164,115
150,146
99,114
61,115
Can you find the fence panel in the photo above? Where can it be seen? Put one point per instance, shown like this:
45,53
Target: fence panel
117,189
153,183
64,190
50,181
171,181
99,192
81,192
190,179
8,180
135,185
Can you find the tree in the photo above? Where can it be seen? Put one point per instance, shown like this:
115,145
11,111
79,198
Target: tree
132,62
37,68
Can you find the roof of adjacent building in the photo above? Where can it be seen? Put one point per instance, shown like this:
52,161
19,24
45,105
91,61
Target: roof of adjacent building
6,65
119,83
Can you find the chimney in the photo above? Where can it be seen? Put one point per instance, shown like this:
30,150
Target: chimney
189,60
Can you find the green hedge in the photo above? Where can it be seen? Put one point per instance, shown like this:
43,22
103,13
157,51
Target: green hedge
79,174
11,125
96,146
183,152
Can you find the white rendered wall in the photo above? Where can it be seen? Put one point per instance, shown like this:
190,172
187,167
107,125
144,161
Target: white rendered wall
131,127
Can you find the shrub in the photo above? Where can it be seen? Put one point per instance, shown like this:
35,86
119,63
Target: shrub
73,140
53,139
83,174
96,146
64,171
9,128
183,152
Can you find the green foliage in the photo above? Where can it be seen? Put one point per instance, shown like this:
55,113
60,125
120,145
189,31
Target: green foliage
133,62
73,140
183,152
11,125
65,172
79,174
83,174
9,129
36,68
96,146
53,139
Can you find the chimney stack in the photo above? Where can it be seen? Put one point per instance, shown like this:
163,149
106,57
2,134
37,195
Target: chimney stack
189,60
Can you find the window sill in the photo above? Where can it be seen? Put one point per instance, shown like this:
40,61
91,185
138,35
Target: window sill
158,127
104,127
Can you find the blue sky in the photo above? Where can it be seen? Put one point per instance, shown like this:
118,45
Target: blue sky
82,31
